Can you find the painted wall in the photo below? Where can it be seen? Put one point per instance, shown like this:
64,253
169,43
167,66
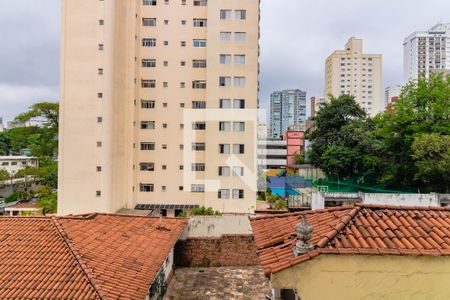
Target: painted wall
368,277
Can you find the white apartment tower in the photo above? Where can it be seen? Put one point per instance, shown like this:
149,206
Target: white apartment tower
427,52
352,72
158,105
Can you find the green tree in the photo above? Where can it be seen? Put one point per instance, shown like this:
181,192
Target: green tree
49,202
299,158
46,113
4,175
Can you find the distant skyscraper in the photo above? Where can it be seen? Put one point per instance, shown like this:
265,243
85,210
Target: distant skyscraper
316,103
391,94
427,52
2,127
287,108
351,72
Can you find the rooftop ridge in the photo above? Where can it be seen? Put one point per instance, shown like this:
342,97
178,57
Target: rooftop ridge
90,216
90,275
402,207
308,212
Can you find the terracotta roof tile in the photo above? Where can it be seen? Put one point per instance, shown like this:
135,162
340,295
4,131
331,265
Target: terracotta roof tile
360,229
83,257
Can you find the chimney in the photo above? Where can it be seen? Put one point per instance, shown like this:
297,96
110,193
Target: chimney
304,232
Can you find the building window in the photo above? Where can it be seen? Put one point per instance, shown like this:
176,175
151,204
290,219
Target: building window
238,148
99,119
166,22
239,59
100,47
148,83
199,126
147,146
183,22
224,148
181,105
239,81
147,166
164,167
100,71
200,2
240,14
239,126
148,42
164,146
182,85
149,63
164,125
149,2
181,188
99,168
198,188
225,36
238,194
166,43
199,84
200,22
146,187
166,2
163,188
224,81
240,36
147,124
224,194
225,103
99,95
238,171
101,22
198,167
199,43
224,171
98,193
225,14
198,146
148,21
199,63
99,144
198,104
147,104
225,59
224,126
181,167
165,84
239,103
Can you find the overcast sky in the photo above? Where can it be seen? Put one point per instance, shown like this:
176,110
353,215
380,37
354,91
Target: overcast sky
296,38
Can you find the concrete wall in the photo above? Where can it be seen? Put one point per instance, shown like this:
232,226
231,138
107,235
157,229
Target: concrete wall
368,277
210,227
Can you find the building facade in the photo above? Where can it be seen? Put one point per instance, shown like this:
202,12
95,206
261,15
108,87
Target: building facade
295,144
272,154
287,108
352,72
316,104
391,94
13,164
262,131
158,104
427,52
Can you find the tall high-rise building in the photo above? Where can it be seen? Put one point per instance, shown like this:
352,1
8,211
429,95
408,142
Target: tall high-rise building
158,105
391,94
427,52
287,108
316,104
352,72
2,127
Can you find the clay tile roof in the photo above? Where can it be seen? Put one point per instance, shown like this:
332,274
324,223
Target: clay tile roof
90,257
360,229
26,205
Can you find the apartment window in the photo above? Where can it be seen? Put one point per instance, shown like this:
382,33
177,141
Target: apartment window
224,81
225,59
199,84
224,148
224,194
182,63
239,126
181,188
146,187
183,22
181,146
164,167
149,63
181,126
99,144
166,43
182,85
200,2
238,194
239,81
225,14
163,188
199,43
224,171
224,126
149,2
99,95
238,171
181,167
198,104
148,83
200,22
240,36
181,105
166,22
101,22
198,188
199,126
147,124
238,148
99,168
147,166
198,146
99,119
225,103
239,59
199,63
198,167
166,2
100,47
240,14
164,146
148,42
98,193
165,84
183,43
164,125
239,103
165,63
147,146
225,36
147,104
148,21
100,71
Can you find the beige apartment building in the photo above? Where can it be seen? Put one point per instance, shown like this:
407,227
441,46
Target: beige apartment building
158,105
350,71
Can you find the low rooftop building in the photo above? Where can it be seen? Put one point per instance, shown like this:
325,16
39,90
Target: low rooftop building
96,256
357,252
24,209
